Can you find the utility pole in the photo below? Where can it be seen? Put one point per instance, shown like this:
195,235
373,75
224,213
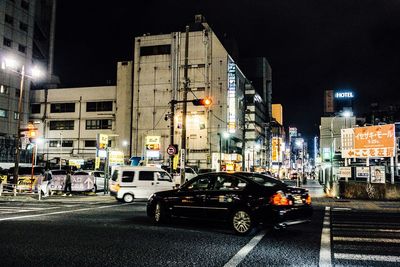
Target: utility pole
185,93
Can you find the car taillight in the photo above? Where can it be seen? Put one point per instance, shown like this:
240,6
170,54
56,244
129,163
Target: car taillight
279,199
308,200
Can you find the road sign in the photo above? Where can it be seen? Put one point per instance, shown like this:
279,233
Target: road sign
171,150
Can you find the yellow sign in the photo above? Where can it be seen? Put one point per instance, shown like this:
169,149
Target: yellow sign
276,155
116,158
102,141
97,163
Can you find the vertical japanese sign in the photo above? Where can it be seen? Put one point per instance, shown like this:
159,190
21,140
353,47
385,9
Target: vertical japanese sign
276,153
369,142
231,96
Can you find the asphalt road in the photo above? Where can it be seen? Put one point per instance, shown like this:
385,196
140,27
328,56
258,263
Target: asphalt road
112,234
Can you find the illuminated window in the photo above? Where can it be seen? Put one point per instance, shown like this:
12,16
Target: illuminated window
3,113
16,115
3,89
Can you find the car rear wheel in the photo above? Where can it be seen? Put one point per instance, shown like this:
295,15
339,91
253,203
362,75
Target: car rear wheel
94,190
128,198
242,222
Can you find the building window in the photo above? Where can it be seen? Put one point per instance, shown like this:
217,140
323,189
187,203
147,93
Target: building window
8,19
16,115
3,113
90,143
22,48
17,92
3,90
35,108
62,107
7,42
23,26
25,4
99,106
98,124
65,143
155,50
62,125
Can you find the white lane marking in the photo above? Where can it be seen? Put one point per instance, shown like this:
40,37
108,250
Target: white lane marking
340,209
242,253
58,212
365,223
363,257
325,258
366,239
366,230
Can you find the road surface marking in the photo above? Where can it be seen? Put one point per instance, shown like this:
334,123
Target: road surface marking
58,212
340,209
357,223
242,253
363,257
366,239
366,230
325,258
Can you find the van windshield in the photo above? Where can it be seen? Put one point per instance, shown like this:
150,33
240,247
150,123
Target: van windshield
115,176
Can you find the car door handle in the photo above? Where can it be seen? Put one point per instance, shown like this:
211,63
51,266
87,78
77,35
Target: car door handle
158,183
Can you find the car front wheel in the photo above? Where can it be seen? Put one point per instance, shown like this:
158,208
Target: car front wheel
242,222
160,215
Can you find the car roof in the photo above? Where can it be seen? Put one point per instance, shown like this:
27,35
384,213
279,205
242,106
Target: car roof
139,168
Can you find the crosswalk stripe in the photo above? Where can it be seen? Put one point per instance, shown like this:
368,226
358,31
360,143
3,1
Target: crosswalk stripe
364,257
325,250
366,239
367,230
364,224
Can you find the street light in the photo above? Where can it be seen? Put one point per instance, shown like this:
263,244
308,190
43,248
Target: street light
12,65
224,135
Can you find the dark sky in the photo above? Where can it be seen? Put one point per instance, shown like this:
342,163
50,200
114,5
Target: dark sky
312,45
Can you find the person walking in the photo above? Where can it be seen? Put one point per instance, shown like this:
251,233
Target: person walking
68,184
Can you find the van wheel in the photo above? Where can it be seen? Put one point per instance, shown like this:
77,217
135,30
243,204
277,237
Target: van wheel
94,190
128,198
242,222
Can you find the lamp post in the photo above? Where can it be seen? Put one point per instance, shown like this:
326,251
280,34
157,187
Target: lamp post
300,144
11,65
224,135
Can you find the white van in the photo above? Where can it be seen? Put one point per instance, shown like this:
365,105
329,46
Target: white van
128,183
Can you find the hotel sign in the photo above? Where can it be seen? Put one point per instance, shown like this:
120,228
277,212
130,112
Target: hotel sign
344,95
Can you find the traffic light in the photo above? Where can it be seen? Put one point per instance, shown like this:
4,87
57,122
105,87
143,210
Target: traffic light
32,134
202,102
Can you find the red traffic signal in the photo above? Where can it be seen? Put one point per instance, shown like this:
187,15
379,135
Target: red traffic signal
202,102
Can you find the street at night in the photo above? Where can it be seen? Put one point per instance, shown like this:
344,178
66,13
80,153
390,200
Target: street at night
199,133
103,232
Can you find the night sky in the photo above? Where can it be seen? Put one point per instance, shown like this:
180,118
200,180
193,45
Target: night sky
312,45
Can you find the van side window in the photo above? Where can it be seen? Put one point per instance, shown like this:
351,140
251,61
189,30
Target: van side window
127,176
146,176
115,176
163,176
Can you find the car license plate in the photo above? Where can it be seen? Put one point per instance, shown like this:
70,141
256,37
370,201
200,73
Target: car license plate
298,200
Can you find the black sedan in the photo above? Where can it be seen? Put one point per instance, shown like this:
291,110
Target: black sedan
242,199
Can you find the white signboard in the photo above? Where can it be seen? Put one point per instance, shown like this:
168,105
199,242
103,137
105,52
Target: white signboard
362,172
345,172
378,174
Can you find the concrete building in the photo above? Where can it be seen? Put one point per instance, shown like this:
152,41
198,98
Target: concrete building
159,78
75,116
26,28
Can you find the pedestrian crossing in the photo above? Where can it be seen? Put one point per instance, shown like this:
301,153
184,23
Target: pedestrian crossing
365,238
5,209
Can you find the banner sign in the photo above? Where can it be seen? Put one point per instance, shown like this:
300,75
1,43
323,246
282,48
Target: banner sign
369,142
82,182
378,174
57,182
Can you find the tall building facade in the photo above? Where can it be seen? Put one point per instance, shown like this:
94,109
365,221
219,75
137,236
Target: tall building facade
25,28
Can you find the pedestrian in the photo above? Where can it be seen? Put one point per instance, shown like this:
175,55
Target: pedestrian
68,184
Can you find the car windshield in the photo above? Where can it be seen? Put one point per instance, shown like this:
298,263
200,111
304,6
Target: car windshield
263,179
